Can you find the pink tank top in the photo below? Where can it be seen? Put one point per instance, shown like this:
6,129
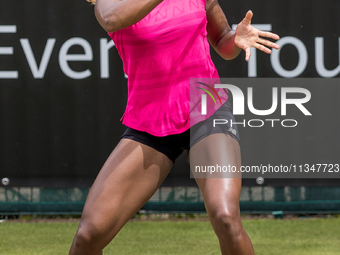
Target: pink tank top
160,54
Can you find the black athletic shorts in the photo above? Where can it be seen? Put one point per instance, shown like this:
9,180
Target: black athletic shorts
173,145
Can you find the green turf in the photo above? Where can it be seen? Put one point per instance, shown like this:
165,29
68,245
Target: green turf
286,237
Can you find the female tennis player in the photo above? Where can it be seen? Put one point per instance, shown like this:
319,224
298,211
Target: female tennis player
163,44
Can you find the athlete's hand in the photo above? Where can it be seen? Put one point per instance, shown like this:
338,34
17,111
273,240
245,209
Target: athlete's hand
246,36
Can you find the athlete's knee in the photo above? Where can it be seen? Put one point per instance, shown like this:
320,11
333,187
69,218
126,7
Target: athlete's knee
227,222
87,238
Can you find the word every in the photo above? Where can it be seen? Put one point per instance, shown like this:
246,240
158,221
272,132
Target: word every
64,57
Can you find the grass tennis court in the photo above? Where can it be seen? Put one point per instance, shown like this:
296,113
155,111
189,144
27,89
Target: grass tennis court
269,236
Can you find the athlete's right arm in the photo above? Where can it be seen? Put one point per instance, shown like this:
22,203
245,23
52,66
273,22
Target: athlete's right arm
114,15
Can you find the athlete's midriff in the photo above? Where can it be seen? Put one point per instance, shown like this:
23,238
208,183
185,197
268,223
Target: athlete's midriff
160,54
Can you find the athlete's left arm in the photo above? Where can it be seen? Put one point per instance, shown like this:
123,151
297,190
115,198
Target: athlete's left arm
229,43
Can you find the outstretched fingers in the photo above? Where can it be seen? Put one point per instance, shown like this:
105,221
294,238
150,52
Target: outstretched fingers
247,36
